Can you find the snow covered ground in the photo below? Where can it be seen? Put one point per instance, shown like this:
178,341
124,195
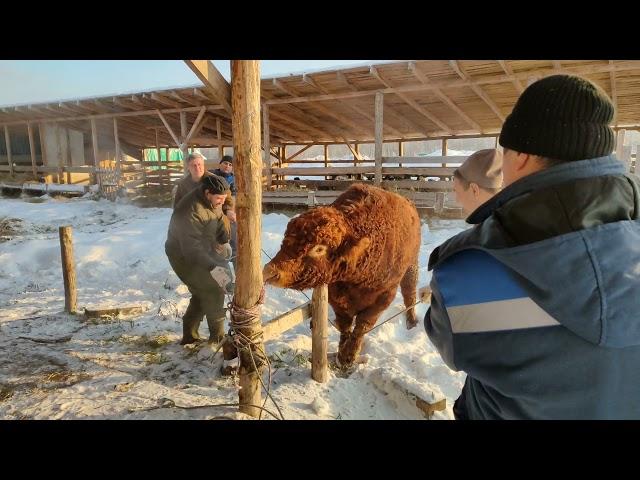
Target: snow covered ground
55,366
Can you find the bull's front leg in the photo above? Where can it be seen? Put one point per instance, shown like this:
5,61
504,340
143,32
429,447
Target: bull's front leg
365,320
344,315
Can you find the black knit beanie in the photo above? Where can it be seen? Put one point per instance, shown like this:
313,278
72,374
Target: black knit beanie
214,184
562,117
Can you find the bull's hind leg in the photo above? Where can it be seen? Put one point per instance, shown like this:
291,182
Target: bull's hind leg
365,321
408,286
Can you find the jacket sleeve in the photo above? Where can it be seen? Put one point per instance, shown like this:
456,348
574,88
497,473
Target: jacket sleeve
178,194
229,203
191,240
438,326
223,232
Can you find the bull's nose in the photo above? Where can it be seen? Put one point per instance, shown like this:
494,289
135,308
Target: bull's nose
269,273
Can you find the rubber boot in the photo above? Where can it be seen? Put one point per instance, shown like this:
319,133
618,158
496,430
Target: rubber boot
191,322
216,329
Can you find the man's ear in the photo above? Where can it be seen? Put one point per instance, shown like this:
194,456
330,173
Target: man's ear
475,189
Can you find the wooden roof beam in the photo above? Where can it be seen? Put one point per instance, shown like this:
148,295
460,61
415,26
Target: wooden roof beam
213,81
509,71
301,124
165,101
327,111
311,81
197,124
413,104
462,74
169,129
389,112
184,99
122,103
425,81
462,82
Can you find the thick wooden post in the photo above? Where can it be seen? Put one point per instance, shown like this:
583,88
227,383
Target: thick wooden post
283,156
320,334
116,140
184,148
444,151
7,141
266,144
378,134
94,143
69,158
32,150
219,134
43,150
68,270
245,101
326,159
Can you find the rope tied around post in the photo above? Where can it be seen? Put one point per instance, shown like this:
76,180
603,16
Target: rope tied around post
243,319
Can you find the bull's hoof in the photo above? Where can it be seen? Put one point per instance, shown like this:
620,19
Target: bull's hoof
411,322
340,370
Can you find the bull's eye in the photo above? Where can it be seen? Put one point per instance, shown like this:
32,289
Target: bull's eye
318,251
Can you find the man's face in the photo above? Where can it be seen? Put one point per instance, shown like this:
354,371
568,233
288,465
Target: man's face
471,198
214,199
464,197
226,167
196,168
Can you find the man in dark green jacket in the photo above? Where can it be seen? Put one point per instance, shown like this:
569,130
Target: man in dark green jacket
194,246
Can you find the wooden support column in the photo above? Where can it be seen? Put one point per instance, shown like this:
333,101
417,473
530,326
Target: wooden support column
266,144
320,334
32,150
444,150
7,142
158,146
184,147
400,151
43,154
69,159
219,134
116,140
326,159
94,144
245,100
378,135
68,270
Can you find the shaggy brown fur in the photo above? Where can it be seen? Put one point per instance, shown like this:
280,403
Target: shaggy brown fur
363,246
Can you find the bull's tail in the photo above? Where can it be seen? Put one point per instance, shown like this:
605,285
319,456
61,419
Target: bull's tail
408,286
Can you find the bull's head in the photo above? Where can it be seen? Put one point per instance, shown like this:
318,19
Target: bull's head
318,248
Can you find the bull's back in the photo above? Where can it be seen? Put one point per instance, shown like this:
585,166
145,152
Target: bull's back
392,223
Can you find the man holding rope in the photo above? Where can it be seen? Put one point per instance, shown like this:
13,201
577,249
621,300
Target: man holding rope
198,251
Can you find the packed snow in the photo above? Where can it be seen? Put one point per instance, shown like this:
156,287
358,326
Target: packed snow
57,366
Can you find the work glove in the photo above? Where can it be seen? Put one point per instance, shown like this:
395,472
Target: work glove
224,277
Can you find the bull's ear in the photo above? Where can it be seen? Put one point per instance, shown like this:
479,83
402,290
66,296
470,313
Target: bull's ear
353,254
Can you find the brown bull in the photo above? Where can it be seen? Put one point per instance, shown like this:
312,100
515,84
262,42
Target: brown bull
363,246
